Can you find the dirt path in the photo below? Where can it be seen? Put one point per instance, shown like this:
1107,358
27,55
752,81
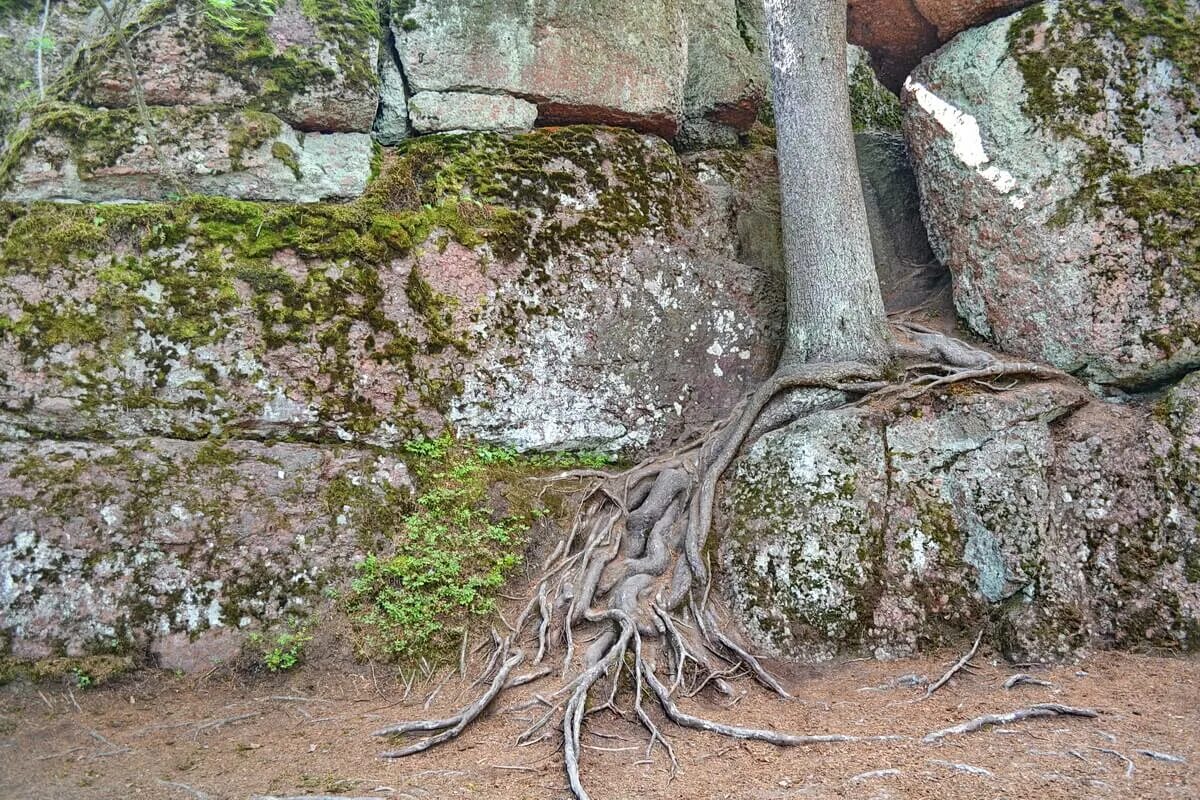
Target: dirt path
307,733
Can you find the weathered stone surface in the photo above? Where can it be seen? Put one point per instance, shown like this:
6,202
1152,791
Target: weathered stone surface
231,90
103,545
435,112
391,121
727,82
74,153
618,62
1058,521
312,64
1057,153
564,288
899,33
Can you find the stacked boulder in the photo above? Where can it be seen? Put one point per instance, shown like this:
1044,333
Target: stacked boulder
1052,521
1058,158
671,68
271,101
1058,153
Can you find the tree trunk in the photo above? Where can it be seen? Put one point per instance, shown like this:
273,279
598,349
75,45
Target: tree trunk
835,308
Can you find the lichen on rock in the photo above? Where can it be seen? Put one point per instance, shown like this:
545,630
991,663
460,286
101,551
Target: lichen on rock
1057,151
435,291
1026,514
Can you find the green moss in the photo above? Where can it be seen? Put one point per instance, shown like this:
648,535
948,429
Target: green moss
96,138
1163,202
251,130
872,107
284,153
239,45
310,277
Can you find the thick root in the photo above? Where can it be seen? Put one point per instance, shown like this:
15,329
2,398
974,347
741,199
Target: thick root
630,574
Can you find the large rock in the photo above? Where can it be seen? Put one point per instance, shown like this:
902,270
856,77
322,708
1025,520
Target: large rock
149,543
311,64
1057,154
568,288
1056,521
727,82
899,33
616,62
75,153
434,112
691,68
268,101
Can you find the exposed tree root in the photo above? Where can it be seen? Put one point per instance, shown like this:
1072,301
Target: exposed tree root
1033,712
630,578
1021,679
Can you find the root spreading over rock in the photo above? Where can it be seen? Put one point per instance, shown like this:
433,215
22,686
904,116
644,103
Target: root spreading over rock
630,579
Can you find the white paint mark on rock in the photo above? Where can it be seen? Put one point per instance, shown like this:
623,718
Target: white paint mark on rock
967,137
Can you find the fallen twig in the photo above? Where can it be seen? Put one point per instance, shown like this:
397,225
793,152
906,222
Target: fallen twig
874,774
315,797
968,769
213,724
1129,768
958,666
183,787
1034,712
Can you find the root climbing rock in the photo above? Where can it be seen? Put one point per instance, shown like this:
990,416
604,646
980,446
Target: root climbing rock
630,577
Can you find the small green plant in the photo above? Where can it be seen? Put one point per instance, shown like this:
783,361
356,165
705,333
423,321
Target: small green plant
454,544
225,13
428,448
82,679
43,44
286,650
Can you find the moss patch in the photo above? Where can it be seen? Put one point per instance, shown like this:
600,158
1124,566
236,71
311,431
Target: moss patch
313,281
235,34
1076,44
872,106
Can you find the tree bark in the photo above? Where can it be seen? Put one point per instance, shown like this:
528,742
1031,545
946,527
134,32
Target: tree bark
835,308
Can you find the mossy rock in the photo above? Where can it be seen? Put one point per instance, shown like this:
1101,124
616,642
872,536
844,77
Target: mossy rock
328,321
311,63
66,151
1067,193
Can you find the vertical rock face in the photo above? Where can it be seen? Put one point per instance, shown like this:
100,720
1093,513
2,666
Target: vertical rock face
110,547
311,64
685,68
566,288
727,82
1060,521
1057,153
76,153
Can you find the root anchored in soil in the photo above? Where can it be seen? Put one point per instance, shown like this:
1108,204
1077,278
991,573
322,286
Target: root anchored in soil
630,579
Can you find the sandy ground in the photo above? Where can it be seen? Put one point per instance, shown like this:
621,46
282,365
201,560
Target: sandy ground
228,735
